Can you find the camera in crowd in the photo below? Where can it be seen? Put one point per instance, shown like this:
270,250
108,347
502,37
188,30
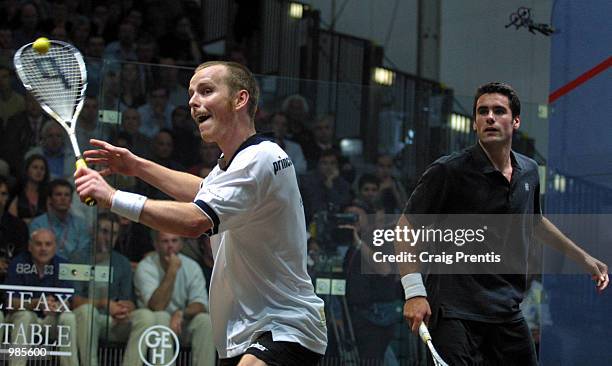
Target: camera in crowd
330,230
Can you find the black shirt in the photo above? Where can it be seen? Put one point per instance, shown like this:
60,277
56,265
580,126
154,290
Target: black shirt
467,183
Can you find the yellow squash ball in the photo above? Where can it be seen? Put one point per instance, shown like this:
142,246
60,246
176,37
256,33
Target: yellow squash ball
41,45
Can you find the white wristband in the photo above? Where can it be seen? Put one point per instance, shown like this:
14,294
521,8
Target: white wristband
413,285
128,205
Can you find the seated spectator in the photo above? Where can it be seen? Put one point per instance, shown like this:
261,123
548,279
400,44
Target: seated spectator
130,124
156,114
280,127
367,196
40,266
109,308
133,241
57,153
88,126
11,102
132,88
172,286
28,27
296,108
72,232
392,194
323,139
324,186
186,137
21,133
181,44
163,146
209,156
13,231
31,199
94,63
123,49
168,79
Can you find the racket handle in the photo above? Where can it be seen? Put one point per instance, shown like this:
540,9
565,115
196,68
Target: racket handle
80,163
424,332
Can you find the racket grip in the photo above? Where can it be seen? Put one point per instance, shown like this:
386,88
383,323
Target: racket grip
80,163
424,332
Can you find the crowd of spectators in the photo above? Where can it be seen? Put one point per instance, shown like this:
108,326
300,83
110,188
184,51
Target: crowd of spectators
138,62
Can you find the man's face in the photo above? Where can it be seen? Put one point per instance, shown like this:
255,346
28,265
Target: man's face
159,98
163,145
212,107
29,16
96,46
4,195
322,131
130,121
493,122
328,165
168,244
90,110
368,192
384,167
42,246
61,198
53,139
107,235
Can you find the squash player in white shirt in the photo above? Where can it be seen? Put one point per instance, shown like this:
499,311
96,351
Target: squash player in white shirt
262,302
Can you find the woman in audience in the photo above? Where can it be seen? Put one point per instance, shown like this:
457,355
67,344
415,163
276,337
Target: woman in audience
31,199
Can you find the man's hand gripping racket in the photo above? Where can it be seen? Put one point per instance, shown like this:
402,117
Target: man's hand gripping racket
57,79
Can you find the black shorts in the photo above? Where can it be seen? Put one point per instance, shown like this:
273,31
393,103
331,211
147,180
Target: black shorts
467,342
276,353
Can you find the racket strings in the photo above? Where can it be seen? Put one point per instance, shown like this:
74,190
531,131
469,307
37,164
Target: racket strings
55,78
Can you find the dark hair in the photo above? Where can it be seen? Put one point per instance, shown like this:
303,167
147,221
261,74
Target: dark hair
330,152
108,216
499,88
239,78
59,183
29,162
368,178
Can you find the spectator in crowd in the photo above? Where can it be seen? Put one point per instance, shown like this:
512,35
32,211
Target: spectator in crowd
323,139
58,155
88,126
324,186
13,231
156,114
368,189
186,137
161,153
130,124
123,49
109,308
80,32
57,19
28,27
11,102
146,51
372,293
110,95
181,44
134,16
7,47
172,286
31,199
40,266
72,232
209,154
168,79
22,132
280,127
296,108
392,194
133,241
132,88
94,63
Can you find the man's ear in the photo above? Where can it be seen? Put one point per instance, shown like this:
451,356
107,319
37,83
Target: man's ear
516,122
242,99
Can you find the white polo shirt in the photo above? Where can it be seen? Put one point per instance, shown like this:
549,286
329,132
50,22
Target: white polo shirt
259,281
